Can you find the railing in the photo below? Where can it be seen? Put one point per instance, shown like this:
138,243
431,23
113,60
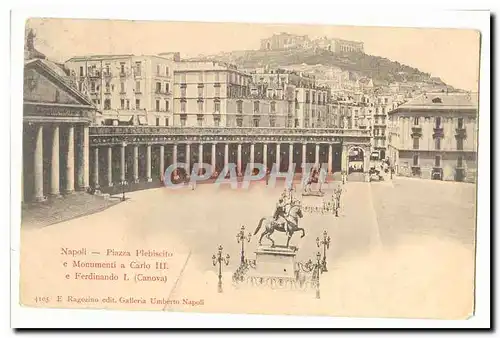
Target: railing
136,130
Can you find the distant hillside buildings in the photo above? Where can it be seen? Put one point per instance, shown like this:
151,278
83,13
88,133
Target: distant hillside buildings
284,41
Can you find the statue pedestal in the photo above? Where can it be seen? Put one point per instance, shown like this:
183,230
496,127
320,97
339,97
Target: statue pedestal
277,261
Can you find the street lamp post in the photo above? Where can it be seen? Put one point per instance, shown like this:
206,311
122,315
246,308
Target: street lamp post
316,268
241,237
123,183
326,245
219,259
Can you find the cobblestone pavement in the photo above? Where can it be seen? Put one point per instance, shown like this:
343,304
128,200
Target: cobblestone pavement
63,209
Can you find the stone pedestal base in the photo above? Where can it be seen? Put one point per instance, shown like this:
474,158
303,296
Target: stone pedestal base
39,199
275,262
110,184
149,179
136,180
367,177
55,196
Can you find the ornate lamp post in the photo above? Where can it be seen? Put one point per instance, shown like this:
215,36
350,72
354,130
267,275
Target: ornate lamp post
326,245
218,259
316,269
241,237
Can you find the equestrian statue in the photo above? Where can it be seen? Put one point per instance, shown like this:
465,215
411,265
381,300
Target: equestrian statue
285,219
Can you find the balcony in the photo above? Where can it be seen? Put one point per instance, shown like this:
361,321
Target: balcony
438,132
460,133
416,131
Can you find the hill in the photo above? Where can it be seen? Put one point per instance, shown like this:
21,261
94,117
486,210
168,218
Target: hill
380,69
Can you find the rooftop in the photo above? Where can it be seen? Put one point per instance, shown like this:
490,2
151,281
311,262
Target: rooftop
440,101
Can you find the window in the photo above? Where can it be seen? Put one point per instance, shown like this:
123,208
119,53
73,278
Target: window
166,122
307,97
416,143
273,107
158,67
200,121
167,104
272,123
460,161
167,71
255,123
437,161
460,144
386,100
158,87
239,107
122,68
438,143
217,77
157,105
122,87
460,123
137,104
217,91
81,71
217,123
437,121
200,107
200,91
157,121
167,87
416,121
128,104
183,122
107,87
122,103
92,86
239,123
138,86
80,86
217,106
415,160
138,68
107,69
183,92
183,107
107,104
256,106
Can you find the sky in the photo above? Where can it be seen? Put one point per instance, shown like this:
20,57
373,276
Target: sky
451,54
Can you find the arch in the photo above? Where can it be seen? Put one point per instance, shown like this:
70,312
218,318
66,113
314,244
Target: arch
355,159
268,45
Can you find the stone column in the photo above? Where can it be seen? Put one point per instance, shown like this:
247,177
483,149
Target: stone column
278,150
252,155
200,154
366,163
86,162
174,154
226,154
148,163
330,161
38,165
96,167
162,160
54,165
304,157
214,156
135,169
70,161
188,157
290,156
238,161
345,158
316,154
110,166
122,163
264,154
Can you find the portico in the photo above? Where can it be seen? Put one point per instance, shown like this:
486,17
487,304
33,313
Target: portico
56,120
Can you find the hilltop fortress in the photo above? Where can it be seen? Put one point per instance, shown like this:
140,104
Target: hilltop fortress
283,41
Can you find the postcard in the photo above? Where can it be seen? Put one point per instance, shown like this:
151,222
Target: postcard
249,168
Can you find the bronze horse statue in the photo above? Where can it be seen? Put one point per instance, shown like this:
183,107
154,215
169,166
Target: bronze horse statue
291,220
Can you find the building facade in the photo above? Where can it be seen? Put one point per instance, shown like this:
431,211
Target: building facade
434,136
339,45
284,41
127,89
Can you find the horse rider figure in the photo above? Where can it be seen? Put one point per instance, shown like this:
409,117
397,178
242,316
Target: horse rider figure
281,211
